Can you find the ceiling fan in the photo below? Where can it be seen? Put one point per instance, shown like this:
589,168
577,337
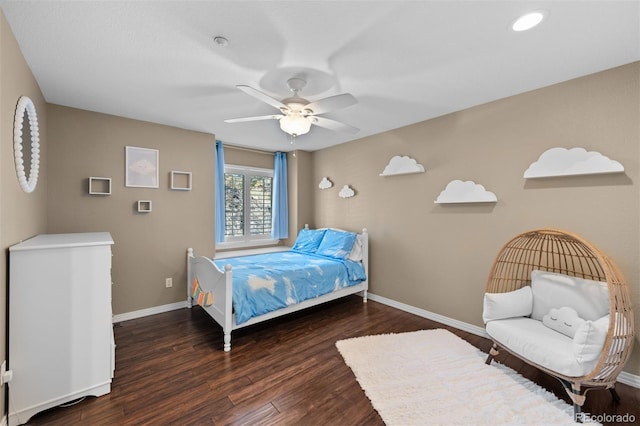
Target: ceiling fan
298,114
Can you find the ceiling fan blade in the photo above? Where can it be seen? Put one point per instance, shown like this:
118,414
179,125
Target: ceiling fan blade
330,124
262,96
257,118
331,103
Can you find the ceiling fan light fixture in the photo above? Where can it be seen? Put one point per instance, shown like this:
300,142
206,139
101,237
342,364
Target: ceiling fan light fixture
528,21
295,124
298,114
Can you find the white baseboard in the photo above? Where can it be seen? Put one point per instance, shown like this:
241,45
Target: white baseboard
629,379
149,311
4,421
624,377
473,329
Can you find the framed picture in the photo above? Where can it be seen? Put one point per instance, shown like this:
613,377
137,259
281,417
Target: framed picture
141,167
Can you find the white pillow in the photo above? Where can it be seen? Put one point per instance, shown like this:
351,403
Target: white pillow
511,304
356,253
589,339
356,250
590,299
564,320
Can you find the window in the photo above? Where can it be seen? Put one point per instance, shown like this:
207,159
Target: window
248,193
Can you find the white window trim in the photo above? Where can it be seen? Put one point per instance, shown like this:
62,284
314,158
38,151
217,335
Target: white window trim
243,242
248,252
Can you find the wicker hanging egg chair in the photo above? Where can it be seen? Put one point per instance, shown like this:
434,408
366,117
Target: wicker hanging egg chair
568,254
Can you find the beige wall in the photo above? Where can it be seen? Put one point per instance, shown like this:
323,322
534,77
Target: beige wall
21,215
149,247
247,157
437,257
300,189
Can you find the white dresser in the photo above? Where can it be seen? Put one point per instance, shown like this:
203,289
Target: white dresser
61,344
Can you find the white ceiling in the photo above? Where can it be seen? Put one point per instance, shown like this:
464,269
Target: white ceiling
405,61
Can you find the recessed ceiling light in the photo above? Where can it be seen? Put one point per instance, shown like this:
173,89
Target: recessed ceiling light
221,41
528,21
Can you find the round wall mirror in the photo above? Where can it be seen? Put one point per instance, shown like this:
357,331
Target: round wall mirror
26,144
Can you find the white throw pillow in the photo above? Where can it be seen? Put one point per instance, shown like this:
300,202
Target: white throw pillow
511,304
589,339
564,320
590,299
356,250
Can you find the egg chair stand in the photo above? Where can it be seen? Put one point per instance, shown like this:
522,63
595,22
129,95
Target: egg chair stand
566,253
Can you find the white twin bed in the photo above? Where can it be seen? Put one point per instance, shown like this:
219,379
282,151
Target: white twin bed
323,265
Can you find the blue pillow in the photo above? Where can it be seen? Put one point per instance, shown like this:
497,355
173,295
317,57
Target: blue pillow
308,240
336,244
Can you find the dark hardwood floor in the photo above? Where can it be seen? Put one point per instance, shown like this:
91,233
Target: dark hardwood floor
171,370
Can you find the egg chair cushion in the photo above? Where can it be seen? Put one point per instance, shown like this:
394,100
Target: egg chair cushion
511,304
590,299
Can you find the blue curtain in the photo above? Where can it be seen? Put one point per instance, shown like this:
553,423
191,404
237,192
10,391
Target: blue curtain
280,203
220,196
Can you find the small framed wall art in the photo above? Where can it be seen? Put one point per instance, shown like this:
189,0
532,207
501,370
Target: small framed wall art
141,167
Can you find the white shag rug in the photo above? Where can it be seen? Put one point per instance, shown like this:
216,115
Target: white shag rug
433,377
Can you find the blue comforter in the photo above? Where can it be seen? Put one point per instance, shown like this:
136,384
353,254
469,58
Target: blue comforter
265,282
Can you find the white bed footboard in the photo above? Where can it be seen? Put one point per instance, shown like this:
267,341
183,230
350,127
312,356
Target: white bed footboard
211,279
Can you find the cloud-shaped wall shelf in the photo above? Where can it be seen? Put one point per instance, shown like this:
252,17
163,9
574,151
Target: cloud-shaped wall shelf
402,166
468,191
325,183
346,192
571,162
